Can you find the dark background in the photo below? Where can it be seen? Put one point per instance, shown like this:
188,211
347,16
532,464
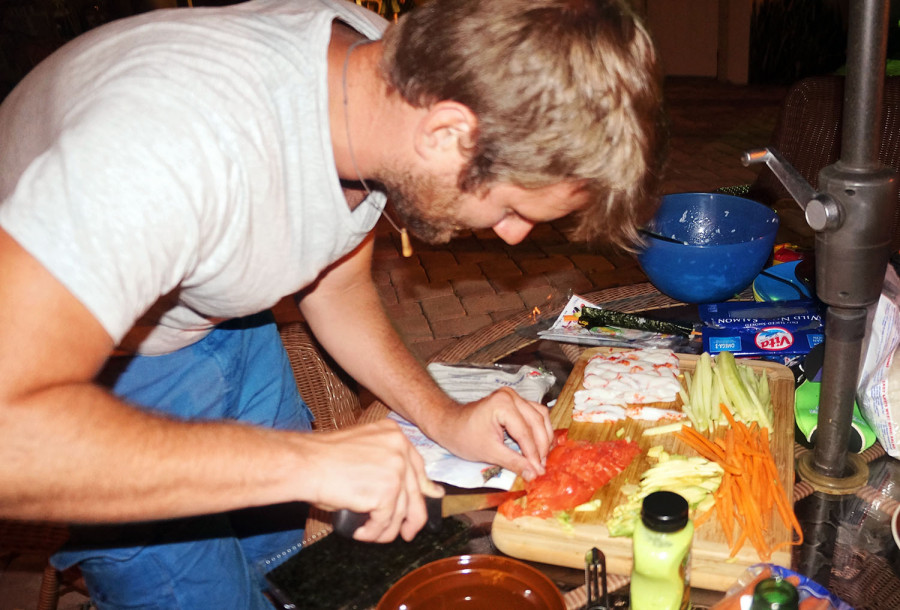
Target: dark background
789,39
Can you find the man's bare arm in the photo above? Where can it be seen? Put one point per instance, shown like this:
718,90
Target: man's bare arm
346,314
71,451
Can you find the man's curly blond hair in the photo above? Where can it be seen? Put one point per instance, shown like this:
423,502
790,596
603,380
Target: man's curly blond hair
564,91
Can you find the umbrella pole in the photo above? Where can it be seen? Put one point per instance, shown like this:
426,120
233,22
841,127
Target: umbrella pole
852,257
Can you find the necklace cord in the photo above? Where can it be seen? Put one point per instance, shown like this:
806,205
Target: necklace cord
406,246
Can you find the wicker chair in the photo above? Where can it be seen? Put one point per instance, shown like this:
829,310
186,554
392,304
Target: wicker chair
41,540
330,394
808,134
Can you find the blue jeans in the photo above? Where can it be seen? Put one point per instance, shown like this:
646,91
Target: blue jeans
238,372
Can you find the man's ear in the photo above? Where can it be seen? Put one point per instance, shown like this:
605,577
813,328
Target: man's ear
447,128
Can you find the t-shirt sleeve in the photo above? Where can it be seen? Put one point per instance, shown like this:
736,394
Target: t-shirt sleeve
113,208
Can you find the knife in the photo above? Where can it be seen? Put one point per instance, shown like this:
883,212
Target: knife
346,521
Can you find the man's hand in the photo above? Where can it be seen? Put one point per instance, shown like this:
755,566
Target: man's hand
379,360
372,469
476,432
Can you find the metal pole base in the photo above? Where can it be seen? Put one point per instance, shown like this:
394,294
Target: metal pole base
856,477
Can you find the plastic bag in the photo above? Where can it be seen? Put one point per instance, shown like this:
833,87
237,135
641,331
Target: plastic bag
813,596
878,392
467,383
866,556
566,330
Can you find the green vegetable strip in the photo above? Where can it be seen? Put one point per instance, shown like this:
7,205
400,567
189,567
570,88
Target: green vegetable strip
745,402
724,381
765,396
723,399
706,388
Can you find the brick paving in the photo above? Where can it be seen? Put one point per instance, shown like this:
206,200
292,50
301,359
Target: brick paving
443,293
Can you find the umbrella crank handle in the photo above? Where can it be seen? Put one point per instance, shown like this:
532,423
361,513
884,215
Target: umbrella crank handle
821,211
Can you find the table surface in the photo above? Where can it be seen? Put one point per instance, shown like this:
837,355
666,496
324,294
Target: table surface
848,545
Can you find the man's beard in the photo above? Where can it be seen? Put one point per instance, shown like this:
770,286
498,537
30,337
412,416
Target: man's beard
427,209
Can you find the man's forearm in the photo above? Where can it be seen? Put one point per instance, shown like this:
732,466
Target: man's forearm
76,453
377,357
372,352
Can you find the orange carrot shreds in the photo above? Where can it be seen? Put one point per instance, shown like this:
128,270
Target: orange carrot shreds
729,442
702,445
725,507
702,449
783,504
727,414
738,544
752,519
750,498
703,517
717,453
744,433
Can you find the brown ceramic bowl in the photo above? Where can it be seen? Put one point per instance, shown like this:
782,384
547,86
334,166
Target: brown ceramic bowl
473,582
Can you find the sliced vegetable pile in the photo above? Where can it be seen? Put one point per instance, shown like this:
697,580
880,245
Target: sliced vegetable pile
574,471
726,382
733,479
750,496
694,478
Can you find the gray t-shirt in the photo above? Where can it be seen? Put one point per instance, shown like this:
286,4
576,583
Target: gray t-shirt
176,167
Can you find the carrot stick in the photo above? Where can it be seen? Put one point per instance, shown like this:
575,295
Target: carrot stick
703,517
702,444
763,487
701,449
752,519
743,431
729,442
738,544
779,496
725,507
785,510
727,415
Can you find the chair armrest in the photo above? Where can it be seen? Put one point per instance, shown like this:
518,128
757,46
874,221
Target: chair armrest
330,393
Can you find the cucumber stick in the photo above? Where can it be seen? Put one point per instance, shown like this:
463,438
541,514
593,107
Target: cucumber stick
742,391
694,478
725,381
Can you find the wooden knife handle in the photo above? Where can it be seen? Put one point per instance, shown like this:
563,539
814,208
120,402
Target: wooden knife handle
346,522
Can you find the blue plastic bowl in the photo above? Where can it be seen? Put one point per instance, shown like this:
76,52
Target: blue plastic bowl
728,242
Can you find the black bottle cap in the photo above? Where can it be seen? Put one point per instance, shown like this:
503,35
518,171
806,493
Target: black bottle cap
664,511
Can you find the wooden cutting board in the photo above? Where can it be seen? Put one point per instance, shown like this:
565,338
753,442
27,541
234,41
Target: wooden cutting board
547,541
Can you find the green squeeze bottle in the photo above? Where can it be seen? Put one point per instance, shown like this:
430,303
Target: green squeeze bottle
661,546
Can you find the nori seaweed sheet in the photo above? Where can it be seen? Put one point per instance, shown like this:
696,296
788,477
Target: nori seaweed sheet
338,573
